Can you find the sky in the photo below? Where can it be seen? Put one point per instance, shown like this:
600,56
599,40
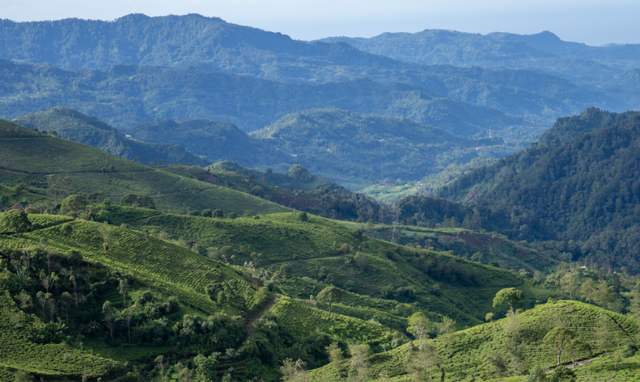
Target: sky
595,22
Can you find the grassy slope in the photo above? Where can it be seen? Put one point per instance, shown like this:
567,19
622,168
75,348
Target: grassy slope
465,353
309,247
156,262
308,183
464,243
28,157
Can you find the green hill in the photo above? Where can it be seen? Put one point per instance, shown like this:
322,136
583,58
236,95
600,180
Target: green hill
297,189
485,247
313,251
28,158
467,353
75,126
579,180
215,140
357,149
393,191
297,177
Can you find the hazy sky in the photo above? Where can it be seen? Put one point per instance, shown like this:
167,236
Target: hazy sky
594,22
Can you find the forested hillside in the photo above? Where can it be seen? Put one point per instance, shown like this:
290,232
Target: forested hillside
215,140
70,124
358,149
581,180
126,95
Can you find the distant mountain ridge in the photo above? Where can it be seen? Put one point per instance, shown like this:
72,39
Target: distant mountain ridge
197,42
125,95
587,65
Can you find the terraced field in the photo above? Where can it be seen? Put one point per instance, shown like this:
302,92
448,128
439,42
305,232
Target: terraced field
17,352
465,352
154,261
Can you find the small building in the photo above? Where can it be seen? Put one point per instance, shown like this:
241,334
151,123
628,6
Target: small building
17,206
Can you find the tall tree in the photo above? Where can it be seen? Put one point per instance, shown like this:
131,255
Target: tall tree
510,296
330,295
559,339
15,220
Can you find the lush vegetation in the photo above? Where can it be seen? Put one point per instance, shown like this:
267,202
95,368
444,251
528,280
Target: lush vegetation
70,124
580,181
215,140
131,95
390,191
356,149
38,169
297,189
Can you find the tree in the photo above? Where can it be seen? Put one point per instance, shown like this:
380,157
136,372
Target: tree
109,316
15,220
66,300
511,327
127,314
217,213
419,325
73,203
421,359
286,271
26,301
489,317
330,295
588,290
559,339
568,284
603,294
205,367
335,353
160,365
562,374
22,376
123,287
359,365
303,216
511,296
294,371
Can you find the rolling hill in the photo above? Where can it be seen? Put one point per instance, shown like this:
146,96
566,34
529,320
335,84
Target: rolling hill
354,149
28,159
215,140
75,126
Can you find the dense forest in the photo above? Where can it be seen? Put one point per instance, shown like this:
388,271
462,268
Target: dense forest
580,180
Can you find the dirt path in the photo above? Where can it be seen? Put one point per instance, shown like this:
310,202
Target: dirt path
255,316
